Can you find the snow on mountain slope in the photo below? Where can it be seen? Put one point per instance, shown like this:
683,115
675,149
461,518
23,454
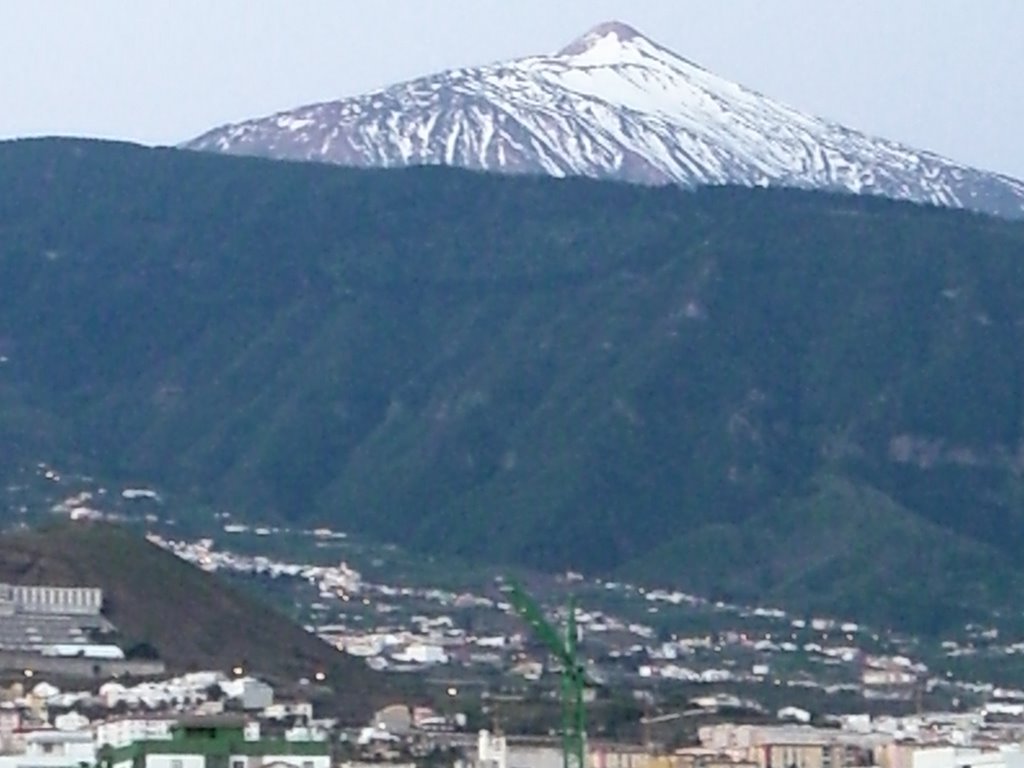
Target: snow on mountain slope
611,105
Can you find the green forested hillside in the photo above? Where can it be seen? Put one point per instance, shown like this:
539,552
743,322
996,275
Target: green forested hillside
767,394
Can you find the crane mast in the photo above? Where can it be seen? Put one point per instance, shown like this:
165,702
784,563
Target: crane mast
563,648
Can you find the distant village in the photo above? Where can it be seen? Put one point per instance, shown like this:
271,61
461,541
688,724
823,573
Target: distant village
402,629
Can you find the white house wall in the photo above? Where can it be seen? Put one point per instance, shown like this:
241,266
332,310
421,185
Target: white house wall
175,761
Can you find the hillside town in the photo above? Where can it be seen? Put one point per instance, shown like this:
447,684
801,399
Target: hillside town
477,634
712,684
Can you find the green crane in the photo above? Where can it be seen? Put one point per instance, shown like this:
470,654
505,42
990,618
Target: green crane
574,679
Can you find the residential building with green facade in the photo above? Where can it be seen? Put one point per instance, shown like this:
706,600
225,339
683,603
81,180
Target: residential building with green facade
216,742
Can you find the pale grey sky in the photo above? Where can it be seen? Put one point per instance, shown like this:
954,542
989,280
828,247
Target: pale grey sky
944,75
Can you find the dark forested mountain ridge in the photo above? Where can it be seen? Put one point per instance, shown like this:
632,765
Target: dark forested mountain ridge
769,394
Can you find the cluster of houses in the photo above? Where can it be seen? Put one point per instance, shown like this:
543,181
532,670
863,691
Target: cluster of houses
173,723
340,581
186,742
930,740
936,740
205,719
214,720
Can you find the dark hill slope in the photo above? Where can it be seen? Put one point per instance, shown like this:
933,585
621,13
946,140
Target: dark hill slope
552,372
191,618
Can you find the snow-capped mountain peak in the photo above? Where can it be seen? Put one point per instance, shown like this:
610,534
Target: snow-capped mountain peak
611,104
610,33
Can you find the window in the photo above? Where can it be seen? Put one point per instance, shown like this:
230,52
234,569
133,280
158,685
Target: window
237,763
307,764
176,763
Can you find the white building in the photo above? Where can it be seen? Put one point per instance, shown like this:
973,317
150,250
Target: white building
53,749
10,721
495,752
964,757
305,733
892,676
795,714
85,650
85,601
44,691
297,709
251,693
491,751
128,730
422,653
71,721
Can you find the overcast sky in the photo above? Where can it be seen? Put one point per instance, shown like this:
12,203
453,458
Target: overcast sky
944,75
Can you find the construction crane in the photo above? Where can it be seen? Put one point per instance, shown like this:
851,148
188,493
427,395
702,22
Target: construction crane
574,678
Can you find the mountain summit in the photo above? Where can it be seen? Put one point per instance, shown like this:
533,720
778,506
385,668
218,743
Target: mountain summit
620,31
614,105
